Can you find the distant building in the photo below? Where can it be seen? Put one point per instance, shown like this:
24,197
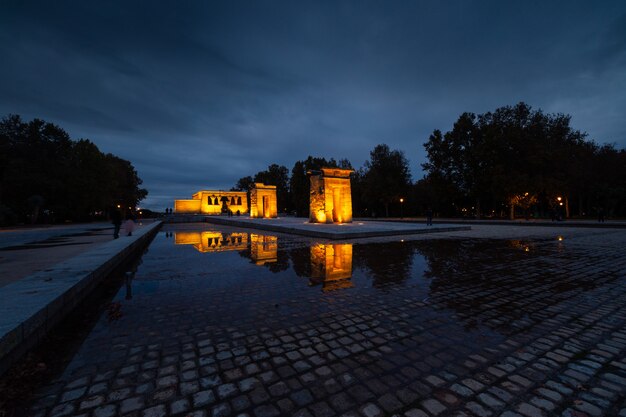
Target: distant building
213,202
331,196
263,201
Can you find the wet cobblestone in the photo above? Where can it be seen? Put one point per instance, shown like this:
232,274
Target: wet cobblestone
429,328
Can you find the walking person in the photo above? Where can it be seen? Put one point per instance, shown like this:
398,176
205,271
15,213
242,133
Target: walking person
429,216
129,224
601,214
116,219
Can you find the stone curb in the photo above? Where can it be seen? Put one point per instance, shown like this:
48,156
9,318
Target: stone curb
32,306
538,223
330,235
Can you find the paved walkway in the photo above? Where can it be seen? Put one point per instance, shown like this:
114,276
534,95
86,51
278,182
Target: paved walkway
24,251
354,230
517,222
33,304
494,321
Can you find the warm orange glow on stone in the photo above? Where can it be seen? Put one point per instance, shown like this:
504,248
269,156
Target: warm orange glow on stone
331,196
263,201
263,248
332,266
320,217
210,241
187,206
213,202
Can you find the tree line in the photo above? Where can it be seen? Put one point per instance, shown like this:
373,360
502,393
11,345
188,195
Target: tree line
47,177
376,187
520,161
515,161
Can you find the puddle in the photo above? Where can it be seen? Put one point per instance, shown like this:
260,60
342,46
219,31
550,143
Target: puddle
234,301
245,275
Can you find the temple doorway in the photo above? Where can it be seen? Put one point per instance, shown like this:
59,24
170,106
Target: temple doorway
266,205
337,205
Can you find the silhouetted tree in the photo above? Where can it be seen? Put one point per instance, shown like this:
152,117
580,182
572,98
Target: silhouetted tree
43,170
385,178
518,157
438,193
277,175
299,185
243,184
609,179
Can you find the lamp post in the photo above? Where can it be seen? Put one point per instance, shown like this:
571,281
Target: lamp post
401,201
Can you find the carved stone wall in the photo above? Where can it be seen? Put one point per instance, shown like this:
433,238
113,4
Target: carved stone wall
263,202
213,202
331,196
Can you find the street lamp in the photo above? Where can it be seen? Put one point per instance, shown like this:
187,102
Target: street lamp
401,201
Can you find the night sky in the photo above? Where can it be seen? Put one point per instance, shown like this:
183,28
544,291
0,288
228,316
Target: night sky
198,94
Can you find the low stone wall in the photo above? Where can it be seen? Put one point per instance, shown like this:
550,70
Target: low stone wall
31,307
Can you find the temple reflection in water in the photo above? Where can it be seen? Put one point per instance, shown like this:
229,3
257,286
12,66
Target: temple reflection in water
263,248
211,241
331,265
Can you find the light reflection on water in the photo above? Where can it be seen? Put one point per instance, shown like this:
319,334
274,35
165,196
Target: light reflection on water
327,264
330,264
432,302
212,241
255,270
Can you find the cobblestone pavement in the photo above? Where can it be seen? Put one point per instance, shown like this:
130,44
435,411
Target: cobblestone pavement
453,326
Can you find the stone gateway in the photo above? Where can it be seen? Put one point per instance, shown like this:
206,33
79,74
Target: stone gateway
263,201
331,196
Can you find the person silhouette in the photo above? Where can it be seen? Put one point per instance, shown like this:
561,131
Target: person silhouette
429,216
601,214
116,219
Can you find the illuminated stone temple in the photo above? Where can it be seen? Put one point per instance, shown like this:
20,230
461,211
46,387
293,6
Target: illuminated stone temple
331,196
213,202
263,201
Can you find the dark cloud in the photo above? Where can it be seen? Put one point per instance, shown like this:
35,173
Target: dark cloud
199,94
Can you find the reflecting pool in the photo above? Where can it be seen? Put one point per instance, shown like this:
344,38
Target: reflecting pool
289,261
233,321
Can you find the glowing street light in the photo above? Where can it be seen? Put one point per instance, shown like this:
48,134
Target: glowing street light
401,201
